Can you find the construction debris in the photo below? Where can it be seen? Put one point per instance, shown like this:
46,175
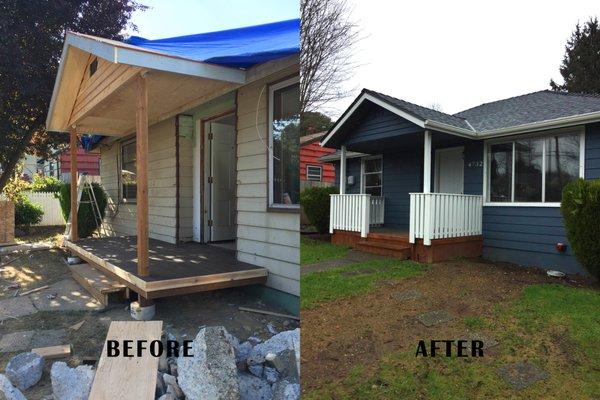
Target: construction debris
25,370
77,325
71,383
266,312
52,352
34,290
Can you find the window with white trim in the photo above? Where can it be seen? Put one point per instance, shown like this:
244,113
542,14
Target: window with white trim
533,169
128,172
372,176
314,173
284,144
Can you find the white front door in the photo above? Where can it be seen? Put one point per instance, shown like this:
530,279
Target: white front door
449,170
221,181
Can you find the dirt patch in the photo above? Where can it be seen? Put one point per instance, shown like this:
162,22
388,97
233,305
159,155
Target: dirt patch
337,339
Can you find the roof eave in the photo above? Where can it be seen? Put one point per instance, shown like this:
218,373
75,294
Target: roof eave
562,122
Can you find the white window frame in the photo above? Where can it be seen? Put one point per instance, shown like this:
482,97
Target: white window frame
363,186
580,130
320,177
272,89
120,172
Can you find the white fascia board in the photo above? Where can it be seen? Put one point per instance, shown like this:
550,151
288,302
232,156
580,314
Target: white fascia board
61,65
562,122
138,57
453,130
363,97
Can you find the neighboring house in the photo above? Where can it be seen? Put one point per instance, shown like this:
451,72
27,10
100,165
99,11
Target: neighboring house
313,171
59,165
486,180
198,138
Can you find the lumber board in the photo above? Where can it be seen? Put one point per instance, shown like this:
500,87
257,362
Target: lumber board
52,352
97,279
127,377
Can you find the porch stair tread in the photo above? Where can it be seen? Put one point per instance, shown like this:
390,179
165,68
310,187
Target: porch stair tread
393,249
384,245
100,286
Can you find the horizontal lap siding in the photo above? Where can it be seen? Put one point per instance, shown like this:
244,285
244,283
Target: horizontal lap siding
268,239
352,169
473,182
121,218
401,176
528,235
380,124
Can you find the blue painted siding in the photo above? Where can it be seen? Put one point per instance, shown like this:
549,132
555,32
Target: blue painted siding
527,236
592,151
402,174
352,168
379,124
473,183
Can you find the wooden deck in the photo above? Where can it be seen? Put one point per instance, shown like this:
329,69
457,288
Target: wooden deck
174,270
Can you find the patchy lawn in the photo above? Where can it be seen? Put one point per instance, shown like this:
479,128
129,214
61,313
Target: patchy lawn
363,346
353,280
314,251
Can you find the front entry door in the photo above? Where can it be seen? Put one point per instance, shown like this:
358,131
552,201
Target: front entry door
221,181
449,170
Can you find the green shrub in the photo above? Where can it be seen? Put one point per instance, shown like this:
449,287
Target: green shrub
315,203
580,208
45,184
86,223
27,213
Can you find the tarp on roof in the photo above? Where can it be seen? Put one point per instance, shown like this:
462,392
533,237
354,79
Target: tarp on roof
237,48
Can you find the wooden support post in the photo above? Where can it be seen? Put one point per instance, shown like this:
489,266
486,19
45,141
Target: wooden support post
343,170
141,129
144,302
73,149
427,162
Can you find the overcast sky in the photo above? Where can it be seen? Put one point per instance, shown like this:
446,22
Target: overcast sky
184,17
459,54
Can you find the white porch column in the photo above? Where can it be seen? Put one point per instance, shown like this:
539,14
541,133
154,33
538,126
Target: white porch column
427,162
343,170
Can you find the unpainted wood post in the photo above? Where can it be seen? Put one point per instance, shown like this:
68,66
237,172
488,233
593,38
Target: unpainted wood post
142,176
73,154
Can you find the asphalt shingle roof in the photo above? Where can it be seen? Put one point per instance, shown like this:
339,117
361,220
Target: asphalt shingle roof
529,108
422,112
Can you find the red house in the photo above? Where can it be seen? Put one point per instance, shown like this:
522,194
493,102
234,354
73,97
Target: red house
314,172
86,163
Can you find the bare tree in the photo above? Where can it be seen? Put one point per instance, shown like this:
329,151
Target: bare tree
327,38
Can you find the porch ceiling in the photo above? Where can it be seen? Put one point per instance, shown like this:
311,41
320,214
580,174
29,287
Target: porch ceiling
168,94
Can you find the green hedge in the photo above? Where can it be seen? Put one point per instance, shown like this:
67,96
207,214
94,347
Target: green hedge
315,203
580,208
86,224
27,213
45,184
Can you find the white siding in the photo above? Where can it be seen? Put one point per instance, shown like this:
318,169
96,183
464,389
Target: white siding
121,218
268,239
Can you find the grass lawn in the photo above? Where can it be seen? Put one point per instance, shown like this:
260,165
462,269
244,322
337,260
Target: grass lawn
314,251
322,286
555,327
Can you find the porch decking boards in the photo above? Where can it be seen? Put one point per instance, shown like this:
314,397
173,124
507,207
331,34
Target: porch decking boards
185,268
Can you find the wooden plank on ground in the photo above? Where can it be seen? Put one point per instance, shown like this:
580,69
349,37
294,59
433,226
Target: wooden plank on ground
127,377
95,282
52,352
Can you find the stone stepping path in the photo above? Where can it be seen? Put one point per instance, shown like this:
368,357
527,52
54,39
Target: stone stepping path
404,295
435,318
16,307
27,340
521,375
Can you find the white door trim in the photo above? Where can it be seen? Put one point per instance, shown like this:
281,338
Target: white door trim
436,177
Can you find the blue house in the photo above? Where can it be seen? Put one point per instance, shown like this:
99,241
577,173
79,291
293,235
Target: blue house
418,183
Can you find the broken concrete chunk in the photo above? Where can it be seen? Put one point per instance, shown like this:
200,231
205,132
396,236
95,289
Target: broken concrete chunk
271,374
160,385
256,370
168,396
170,380
286,364
284,390
253,388
71,383
25,370
211,373
241,354
8,390
286,340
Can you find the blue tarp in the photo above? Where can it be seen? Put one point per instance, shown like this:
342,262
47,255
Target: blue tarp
236,48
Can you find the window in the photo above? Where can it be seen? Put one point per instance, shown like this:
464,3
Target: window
314,173
284,144
128,171
533,169
372,176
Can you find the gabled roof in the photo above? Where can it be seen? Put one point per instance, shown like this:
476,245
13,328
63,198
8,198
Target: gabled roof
529,108
527,113
311,138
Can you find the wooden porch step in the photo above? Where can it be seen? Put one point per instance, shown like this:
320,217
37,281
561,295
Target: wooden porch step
101,287
393,249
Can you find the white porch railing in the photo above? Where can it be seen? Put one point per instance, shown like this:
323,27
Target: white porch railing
444,215
355,212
